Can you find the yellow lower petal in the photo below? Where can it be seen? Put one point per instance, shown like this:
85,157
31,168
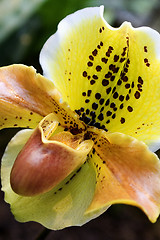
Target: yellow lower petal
127,172
61,207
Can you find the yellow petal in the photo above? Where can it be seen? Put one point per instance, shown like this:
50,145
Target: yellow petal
61,207
25,97
110,76
43,163
127,172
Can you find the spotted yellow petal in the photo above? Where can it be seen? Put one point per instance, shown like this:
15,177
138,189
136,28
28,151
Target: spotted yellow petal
62,206
127,172
109,76
43,162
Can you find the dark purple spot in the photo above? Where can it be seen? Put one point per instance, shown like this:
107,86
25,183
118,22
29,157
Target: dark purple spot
124,78
122,60
127,86
140,80
115,95
112,105
137,95
108,75
98,68
90,64
89,93
92,82
129,108
101,101
92,113
105,60
100,117
114,89
105,82
127,97
108,90
122,120
145,49
95,52
121,106
112,78
84,74
97,95
116,57
102,109
128,61
91,57
132,85
107,102
97,125
109,113
95,76
113,116
125,70
124,51
87,101
94,106
119,82
112,67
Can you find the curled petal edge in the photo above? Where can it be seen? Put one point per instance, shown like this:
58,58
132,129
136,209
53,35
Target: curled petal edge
44,163
127,172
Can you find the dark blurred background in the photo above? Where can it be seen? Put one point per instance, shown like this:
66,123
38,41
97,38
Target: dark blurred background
25,25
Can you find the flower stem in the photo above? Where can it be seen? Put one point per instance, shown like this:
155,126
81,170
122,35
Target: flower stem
43,234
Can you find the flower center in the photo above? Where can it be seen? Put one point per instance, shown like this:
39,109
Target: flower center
90,120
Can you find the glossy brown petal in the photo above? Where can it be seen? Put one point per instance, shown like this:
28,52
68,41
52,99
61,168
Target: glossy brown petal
43,163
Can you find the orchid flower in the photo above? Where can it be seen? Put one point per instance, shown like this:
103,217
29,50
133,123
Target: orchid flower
93,123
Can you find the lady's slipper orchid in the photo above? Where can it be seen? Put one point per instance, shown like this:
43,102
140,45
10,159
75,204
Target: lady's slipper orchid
92,152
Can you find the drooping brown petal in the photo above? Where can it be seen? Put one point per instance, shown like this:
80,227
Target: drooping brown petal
26,97
43,163
127,172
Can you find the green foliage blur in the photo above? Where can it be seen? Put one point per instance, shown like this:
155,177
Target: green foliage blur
25,25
